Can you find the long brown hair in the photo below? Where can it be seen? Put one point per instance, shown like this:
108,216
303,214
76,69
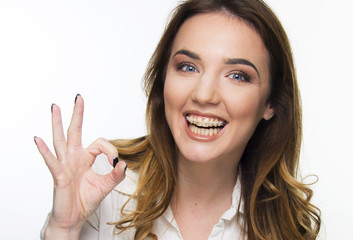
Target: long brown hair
277,205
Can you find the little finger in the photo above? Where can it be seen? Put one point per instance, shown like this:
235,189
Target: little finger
50,160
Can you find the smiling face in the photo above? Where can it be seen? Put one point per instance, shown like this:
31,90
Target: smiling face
216,87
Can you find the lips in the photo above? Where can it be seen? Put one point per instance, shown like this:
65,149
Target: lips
204,127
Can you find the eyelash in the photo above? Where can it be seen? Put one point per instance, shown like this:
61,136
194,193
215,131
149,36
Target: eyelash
182,65
246,77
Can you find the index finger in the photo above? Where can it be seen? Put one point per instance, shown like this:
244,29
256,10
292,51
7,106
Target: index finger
103,146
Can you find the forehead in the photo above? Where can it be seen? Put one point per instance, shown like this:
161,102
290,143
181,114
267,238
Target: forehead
221,36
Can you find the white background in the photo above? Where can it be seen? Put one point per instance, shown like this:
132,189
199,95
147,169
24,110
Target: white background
52,50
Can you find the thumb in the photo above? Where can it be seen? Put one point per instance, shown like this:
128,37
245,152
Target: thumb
112,179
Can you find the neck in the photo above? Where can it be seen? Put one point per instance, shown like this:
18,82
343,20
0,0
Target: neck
203,193
204,183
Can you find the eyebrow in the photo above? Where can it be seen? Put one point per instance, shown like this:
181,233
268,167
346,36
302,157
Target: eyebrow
187,53
230,61
234,61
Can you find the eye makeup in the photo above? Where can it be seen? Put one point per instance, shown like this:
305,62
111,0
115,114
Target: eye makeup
186,67
181,63
239,61
240,76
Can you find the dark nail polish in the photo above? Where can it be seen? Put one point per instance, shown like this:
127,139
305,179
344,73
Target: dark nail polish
115,161
125,168
35,140
51,108
77,96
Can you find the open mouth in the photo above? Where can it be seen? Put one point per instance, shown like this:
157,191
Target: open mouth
204,126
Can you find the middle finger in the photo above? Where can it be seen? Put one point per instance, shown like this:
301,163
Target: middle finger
74,132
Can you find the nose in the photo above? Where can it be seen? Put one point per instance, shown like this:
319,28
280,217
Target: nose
206,90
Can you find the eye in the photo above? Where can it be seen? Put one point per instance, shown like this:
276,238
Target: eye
240,76
186,67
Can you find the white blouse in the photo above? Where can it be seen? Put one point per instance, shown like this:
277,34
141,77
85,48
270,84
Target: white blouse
165,227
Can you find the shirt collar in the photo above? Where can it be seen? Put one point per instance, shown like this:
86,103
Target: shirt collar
237,201
129,185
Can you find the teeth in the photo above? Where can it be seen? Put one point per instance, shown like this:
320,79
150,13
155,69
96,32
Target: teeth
215,131
205,121
204,131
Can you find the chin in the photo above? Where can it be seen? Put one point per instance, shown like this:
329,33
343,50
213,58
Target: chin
198,153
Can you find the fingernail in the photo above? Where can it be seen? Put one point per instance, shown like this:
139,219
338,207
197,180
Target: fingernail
76,97
35,140
115,161
51,108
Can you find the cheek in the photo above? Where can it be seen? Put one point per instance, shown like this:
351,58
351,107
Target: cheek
169,95
246,104
173,98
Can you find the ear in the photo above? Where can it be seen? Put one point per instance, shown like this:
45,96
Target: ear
269,112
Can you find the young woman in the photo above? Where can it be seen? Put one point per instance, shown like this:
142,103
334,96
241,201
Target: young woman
221,155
